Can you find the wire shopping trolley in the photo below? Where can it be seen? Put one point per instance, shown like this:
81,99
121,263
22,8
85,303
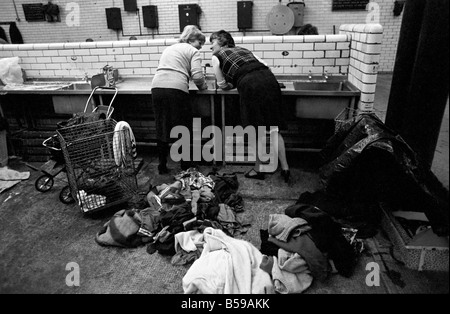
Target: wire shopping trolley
54,166
99,161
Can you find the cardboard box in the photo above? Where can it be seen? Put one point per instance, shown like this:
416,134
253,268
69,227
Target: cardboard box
422,251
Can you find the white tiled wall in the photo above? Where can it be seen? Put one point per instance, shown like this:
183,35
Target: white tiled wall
365,51
215,15
355,51
288,55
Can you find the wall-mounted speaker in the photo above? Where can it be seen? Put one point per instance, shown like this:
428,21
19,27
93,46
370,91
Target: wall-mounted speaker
113,18
150,16
189,14
130,5
244,13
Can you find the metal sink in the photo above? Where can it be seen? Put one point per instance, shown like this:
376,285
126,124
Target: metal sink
78,86
36,86
322,86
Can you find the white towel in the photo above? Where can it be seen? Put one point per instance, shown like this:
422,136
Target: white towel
9,177
227,265
7,174
119,144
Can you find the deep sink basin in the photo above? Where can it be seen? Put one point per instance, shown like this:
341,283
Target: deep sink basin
322,86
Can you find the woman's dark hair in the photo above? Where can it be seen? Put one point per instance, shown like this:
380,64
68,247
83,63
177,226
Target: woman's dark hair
308,29
223,38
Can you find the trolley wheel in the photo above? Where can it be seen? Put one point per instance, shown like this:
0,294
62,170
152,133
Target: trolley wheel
65,195
44,183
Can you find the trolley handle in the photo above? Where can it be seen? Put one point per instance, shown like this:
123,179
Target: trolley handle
48,146
108,112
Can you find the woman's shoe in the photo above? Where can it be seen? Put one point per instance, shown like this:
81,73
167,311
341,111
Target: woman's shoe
253,174
162,169
286,174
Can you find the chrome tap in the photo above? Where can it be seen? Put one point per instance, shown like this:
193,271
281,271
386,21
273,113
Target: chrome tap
86,77
325,76
310,75
207,65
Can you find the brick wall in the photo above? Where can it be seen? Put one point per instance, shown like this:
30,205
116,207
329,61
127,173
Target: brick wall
215,15
287,55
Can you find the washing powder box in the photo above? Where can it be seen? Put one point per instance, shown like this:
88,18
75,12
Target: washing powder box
423,250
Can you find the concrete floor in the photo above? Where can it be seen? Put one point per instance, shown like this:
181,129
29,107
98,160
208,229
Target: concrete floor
40,236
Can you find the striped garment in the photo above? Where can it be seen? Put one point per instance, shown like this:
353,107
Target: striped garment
232,59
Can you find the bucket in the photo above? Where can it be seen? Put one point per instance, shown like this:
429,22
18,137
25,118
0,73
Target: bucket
299,10
3,149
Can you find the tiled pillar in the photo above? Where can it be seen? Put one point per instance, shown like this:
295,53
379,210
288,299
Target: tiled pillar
365,49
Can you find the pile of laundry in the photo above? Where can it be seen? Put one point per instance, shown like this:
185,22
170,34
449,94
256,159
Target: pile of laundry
305,243
298,246
177,213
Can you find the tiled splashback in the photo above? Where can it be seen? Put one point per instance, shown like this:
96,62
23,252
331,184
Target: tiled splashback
355,51
284,54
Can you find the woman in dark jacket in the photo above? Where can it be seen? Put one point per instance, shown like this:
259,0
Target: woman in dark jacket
259,93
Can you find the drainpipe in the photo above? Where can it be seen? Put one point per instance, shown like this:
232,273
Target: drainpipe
15,8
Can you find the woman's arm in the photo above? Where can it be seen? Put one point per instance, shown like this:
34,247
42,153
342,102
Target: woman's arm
221,82
197,72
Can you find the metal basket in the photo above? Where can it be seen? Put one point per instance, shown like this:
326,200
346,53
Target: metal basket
54,147
347,115
99,162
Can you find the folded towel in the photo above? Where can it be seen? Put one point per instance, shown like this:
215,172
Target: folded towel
119,144
13,175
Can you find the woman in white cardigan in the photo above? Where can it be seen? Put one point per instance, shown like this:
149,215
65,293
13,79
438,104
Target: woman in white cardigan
170,88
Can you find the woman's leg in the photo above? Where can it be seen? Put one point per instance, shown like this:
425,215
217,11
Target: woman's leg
285,173
282,153
163,152
172,108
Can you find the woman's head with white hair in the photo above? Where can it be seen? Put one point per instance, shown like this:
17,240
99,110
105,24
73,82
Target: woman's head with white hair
192,35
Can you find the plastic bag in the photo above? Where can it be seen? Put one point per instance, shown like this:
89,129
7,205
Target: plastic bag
10,71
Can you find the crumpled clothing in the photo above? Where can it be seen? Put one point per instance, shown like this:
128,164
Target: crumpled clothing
150,219
162,197
316,260
194,179
204,195
282,226
188,240
236,202
267,264
224,186
291,262
195,198
154,201
226,214
201,225
182,257
286,282
121,230
233,223
162,235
